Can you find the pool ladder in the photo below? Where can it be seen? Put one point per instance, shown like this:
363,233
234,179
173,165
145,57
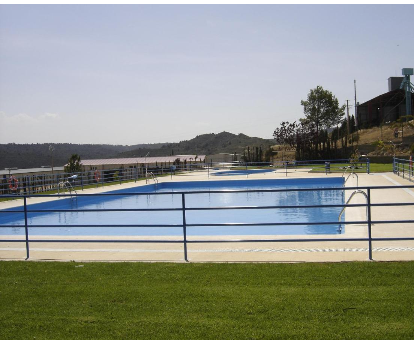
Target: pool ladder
350,175
68,186
349,200
154,178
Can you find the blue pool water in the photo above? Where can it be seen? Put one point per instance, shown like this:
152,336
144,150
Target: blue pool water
64,222
241,172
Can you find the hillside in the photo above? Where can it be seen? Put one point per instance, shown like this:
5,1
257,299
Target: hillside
36,155
207,144
370,141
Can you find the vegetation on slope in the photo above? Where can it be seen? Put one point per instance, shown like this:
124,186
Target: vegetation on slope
36,155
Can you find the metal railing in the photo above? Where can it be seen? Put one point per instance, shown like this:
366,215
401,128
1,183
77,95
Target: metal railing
351,175
349,200
184,225
29,184
403,168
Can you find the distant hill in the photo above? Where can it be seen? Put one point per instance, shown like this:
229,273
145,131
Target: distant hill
36,155
207,144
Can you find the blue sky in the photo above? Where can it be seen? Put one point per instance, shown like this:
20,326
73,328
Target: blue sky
128,74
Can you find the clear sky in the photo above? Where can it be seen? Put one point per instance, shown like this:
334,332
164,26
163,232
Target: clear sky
128,74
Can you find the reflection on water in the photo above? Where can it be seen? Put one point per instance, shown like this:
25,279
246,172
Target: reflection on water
59,222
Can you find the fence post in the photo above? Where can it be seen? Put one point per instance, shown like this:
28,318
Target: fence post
393,165
368,166
369,224
184,228
82,180
26,228
403,166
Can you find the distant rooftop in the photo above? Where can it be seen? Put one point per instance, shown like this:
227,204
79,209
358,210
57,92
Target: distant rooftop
142,160
14,171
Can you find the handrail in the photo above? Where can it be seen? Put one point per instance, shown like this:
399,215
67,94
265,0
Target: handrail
185,225
154,178
404,168
45,182
351,174
67,185
349,199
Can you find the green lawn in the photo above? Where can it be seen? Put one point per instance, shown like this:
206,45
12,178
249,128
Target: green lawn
339,168
206,301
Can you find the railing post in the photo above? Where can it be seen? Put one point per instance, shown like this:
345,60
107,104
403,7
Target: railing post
369,223
26,228
403,166
184,228
393,165
368,166
82,180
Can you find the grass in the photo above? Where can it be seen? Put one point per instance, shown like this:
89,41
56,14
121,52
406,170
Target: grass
41,300
339,167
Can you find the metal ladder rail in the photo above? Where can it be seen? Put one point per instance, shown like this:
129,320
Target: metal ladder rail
68,186
347,202
352,174
154,178
347,168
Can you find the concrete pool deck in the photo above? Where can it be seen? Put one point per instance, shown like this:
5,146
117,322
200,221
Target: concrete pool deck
309,251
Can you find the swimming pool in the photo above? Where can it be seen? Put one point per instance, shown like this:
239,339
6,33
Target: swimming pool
88,210
241,172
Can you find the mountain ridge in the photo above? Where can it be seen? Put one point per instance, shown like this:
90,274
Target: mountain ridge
37,155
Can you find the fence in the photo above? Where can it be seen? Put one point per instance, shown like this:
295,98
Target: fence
404,168
183,209
36,184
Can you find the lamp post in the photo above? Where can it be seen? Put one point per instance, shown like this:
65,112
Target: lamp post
393,158
51,149
146,168
393,147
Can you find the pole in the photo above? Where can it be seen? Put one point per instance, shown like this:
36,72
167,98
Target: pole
355,103
26,228
184,228
347,116
369,224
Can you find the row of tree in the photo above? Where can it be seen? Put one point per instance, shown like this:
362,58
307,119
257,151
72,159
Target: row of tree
310,137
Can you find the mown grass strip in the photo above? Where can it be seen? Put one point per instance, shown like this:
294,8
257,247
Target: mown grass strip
206,301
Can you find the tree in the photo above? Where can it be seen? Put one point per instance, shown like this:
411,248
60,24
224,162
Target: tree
74,164
322,109
285,135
